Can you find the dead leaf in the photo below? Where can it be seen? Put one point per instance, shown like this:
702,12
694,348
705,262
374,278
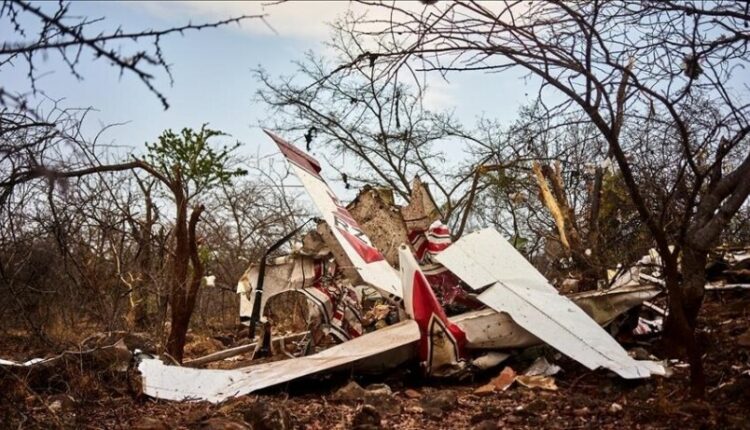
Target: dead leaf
537,381
485,390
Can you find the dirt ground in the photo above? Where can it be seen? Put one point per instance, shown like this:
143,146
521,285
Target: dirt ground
75,397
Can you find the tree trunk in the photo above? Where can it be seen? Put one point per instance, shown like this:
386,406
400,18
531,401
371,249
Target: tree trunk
693,281
137,313
198,270
184,292
551,203
555,199
179,287
138,317
685,299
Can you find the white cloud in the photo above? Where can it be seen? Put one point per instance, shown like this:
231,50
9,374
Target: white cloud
309,20
296,19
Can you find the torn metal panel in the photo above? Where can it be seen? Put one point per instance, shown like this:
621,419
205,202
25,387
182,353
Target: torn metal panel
426,244
603,306
332,301
509,283
489,329
213,385
367,260
337,305
282,274
430,242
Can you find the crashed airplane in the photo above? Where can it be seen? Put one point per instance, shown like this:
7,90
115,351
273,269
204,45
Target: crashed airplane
506,303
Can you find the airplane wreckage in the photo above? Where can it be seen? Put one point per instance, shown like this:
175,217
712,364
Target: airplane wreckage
497,300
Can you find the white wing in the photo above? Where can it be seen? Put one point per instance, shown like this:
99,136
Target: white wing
486,261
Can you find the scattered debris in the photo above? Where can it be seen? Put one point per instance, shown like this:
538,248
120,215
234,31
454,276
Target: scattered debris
382,317
485,390
27,363
542,367
499,383
232,352
489,360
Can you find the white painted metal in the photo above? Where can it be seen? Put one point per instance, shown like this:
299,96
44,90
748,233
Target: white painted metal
485,260
489,329
214,385
485,257
379,273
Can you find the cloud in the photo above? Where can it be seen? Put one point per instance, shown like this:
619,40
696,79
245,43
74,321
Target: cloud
294,19
304,20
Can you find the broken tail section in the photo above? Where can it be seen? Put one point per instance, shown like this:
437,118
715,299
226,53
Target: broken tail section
441,347
367,260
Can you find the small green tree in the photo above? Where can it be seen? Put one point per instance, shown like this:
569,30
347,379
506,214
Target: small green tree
188,166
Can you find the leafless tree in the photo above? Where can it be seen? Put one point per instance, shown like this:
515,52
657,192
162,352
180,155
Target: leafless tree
375,134
622,66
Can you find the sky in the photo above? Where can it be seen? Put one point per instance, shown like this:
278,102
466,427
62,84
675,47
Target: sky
213,82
